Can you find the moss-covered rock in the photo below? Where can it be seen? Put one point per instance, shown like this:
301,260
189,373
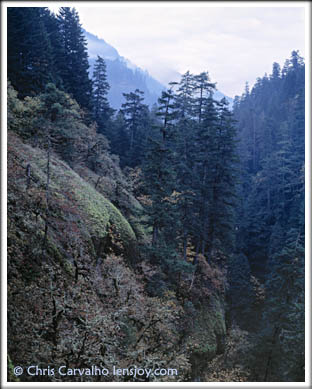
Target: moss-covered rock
96,217
208,337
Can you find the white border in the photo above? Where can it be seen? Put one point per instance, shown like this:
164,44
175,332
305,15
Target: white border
151,4
308,148
3,197
307,6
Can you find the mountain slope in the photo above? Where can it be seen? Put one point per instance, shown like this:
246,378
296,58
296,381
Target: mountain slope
124,76
91,307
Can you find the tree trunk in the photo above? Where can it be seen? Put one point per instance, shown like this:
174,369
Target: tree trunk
155,234
254,141
200,105
131,139
269,361
46,227
185,246
28,172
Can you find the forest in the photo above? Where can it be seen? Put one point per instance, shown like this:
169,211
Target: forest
165,239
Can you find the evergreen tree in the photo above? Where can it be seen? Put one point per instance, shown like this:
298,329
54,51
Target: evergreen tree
30,56
101,109
136,118
224,178
160,186
205,151
204,90
185,96
270,220
74,65
281,341
276,71
118,137
52,25
216,175
271,187
159,171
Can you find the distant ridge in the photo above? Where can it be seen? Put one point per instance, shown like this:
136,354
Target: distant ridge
124,76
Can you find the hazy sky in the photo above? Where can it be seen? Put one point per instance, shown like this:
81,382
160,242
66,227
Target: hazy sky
235,44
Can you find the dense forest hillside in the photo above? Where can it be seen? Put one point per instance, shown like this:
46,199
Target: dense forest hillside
167,242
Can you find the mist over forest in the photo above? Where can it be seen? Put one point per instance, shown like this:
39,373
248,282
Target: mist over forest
154,229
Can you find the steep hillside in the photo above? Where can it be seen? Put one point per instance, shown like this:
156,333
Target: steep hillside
83,287
163,244
91,307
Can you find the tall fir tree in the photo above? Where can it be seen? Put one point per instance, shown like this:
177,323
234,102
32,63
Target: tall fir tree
204,90
136,116
159,173
185,123
160,187
30,56
74,64
101,109
216,175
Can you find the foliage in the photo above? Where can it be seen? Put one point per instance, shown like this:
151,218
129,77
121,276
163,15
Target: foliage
30,54
73,64
270,221
134,128
167,253
101,108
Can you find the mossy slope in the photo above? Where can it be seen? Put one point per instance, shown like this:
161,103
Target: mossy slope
70,194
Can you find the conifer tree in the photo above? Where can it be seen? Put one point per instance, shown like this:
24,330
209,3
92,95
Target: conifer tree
159,170
223,183
205,152
52,25
271,217
160,185
204,89
215,175
30,57
271,189
118,137
135,114
101,109
74,64
185,96
281,341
